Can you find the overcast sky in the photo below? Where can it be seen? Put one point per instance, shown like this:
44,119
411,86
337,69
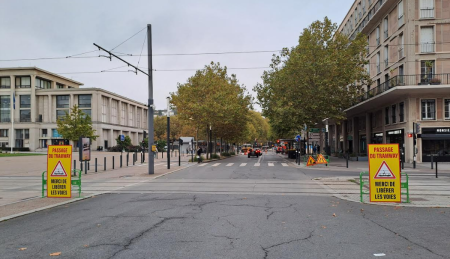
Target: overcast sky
59,28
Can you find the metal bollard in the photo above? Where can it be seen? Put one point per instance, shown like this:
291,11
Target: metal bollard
104,163
96,165
88,165
74,168
113,162
346,158
81,166
436,168
85,167
134,159
128,158
431,162
120,161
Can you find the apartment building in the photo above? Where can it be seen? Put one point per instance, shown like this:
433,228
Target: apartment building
41,97
409,63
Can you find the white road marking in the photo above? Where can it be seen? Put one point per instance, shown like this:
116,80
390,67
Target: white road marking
257,164
243,164
271,164
230,164
202,164
284,164
216,164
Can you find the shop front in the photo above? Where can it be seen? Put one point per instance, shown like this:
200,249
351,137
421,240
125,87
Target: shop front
396,137
435,142
377,138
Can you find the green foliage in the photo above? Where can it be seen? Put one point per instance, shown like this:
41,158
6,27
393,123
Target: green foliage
225,154
75,125
160,144
123,145
232,153
196,159
212,98
215,156
315,80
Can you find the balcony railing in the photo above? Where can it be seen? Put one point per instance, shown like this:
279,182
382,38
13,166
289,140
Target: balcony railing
427,47
421,79
378,69
426,13
378,41
401,53
386,63
386,34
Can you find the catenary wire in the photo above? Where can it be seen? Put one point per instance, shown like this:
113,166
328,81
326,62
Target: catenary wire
128,39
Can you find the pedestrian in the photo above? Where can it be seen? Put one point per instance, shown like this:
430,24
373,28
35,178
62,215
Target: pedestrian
314,150
318,149
199,155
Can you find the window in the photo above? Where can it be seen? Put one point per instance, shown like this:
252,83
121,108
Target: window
22,134
104,108
55,134
447,109
114,112
59,86
60,114
122,115
5,108
44,133
25,101
5,82
401,111
426,71
378,63
426,9
130,116
43,84
400,46
378,35
364,6
394,113
386,116
427,39
84,101
428,109
87,112
23,82
401,19
386,28
386,56
62,101
138,118
3,133
25,115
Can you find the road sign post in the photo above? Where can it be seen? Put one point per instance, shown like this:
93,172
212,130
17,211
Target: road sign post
384,173
59,168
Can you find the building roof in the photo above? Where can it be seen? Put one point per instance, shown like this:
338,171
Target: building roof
41,70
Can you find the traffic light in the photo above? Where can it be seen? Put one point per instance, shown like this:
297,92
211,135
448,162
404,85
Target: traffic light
410,135
278,141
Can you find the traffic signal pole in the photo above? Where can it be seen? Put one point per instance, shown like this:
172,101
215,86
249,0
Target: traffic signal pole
414,145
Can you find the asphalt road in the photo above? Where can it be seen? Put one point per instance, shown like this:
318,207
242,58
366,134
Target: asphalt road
220,210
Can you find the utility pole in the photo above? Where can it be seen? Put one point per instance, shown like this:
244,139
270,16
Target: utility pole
151,133
168,132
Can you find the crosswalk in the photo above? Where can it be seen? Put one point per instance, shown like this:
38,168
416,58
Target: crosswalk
271,164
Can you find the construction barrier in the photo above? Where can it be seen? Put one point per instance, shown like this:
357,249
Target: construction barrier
76,182
404,185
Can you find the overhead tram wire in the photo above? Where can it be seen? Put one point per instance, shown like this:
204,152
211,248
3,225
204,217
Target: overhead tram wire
128,39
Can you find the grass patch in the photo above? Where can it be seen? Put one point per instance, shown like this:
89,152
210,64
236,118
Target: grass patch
20,154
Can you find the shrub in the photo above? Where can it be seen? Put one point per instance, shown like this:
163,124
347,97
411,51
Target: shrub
225,154
196,159
215,156
232,153
15,148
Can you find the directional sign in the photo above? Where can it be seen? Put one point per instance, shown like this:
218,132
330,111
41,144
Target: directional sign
384,173
59,168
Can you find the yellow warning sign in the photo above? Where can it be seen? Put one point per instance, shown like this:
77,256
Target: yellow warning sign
384,173
311,161
153,148
321,159
59,168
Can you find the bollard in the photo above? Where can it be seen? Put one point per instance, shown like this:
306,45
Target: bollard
134,159
120,161
88,165
85,167
96,165
432,162
142,160
104,163
128,158
74,168
346,158
436,168
113,162
81,166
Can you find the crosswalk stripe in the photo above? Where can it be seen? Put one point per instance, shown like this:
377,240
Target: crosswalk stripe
202,165
230,164
216,164
243,164
257,164
284,164
271,164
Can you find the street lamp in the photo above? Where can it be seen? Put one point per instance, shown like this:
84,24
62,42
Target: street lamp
210,140
168,132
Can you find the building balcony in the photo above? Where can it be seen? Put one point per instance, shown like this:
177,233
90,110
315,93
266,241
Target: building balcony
427,47
427,13
406,80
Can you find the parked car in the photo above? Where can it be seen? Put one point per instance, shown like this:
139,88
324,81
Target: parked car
254,152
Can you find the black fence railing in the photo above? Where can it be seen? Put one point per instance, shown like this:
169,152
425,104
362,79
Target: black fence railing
400,80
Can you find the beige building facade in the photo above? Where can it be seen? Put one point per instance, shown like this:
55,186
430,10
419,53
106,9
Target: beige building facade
409,63
42,97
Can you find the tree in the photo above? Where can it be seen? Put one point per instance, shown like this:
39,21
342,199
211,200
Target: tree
160,126
212,98
76,124
317,79
124,144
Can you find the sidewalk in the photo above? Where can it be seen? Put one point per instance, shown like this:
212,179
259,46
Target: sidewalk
425,189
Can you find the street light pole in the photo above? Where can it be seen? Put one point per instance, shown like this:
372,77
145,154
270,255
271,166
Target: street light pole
168,132
210,139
